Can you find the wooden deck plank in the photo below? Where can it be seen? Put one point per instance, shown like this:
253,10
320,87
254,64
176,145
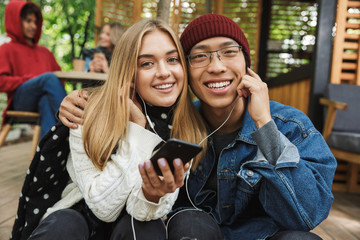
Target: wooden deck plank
339,226
5,229
343,221
14,163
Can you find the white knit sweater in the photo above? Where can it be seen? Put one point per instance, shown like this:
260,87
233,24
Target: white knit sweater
106,192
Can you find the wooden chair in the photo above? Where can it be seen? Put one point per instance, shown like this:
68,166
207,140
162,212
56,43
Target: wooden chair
342,133
14,117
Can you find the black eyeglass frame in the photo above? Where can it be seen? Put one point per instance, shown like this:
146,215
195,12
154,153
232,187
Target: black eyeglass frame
211,54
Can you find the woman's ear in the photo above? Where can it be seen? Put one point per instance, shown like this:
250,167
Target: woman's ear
132,89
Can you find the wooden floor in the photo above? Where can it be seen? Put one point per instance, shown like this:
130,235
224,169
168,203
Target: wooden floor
343,222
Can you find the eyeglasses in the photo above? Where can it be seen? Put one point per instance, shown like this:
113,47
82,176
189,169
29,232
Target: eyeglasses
203,59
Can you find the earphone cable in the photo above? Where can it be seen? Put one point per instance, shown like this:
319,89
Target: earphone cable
191,162
188,173
232,109
149,120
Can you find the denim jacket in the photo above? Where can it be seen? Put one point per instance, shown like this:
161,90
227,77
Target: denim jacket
255,198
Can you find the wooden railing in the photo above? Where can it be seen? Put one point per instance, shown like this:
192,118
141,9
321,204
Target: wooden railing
292,88
346,58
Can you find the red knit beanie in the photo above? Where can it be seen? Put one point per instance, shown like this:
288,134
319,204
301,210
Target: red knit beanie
213,25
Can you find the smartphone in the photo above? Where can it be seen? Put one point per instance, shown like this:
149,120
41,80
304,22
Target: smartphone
175,148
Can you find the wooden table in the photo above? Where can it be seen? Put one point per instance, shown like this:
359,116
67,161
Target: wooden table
82,77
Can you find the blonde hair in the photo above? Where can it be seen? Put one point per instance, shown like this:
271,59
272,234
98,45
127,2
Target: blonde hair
107,113
116,31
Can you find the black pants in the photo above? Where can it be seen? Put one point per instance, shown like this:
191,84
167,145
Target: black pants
69,224
192,224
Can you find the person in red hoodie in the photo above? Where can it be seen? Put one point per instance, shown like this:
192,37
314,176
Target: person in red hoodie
26,68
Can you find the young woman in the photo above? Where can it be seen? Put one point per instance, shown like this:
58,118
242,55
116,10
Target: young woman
98,59
112,181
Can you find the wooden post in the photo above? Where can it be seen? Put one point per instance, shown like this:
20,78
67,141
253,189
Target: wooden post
338,50
219,7
137,7
176,16
98,17
257,37
163,10
4,132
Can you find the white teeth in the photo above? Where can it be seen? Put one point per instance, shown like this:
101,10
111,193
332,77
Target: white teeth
218,84
164,86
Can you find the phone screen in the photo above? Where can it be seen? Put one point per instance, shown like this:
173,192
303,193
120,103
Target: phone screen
175,148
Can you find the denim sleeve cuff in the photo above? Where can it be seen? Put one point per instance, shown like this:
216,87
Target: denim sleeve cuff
268,141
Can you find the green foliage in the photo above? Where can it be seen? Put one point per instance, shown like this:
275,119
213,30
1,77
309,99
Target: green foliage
292,35
64,28
2,11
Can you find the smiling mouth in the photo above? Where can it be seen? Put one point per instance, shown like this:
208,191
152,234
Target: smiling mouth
218,85
164,86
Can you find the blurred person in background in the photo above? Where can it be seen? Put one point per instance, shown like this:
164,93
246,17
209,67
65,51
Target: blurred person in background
98,59
25,66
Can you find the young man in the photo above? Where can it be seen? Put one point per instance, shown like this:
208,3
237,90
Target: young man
268,172
25,67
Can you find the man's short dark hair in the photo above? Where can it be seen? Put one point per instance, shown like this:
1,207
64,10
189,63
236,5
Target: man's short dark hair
29,9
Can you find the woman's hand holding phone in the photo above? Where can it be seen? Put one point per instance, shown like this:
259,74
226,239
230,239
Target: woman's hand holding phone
155,186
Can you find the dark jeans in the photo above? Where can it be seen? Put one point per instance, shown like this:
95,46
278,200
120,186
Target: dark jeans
42,94
193,224
70,224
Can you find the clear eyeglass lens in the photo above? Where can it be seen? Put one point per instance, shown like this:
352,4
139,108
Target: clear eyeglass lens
202,59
